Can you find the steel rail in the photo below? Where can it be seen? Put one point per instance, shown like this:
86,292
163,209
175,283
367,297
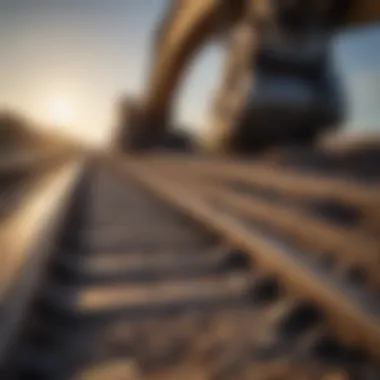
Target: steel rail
26,237
315,235
284,180
350,322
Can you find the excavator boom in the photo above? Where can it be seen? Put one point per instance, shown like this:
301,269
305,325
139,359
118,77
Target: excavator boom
238,113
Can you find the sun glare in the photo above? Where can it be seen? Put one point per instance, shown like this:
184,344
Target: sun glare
61,112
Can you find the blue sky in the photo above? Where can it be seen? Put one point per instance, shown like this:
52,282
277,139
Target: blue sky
85,53
358,55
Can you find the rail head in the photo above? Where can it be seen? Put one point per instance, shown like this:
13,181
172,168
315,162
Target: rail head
26,237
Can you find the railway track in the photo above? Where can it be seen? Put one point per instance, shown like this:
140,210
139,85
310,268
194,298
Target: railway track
166,269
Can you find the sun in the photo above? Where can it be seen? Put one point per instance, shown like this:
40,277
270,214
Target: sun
61,111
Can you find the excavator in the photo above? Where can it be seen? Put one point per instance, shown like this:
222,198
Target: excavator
278,84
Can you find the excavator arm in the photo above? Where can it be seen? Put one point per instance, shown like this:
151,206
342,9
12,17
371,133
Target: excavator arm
190,24
183,34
